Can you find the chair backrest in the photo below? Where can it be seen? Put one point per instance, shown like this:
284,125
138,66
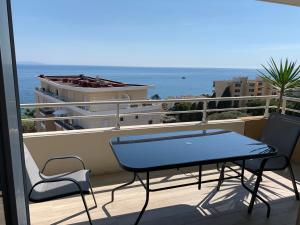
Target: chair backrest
32,170
282,132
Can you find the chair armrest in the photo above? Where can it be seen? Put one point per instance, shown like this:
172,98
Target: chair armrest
61,158
265,160
277,156
51,180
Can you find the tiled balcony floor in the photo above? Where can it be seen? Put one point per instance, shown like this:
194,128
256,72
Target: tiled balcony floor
181,206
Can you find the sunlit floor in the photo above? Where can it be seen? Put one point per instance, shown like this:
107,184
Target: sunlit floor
186,205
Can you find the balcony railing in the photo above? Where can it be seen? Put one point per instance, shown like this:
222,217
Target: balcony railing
204,111
67,126
95,108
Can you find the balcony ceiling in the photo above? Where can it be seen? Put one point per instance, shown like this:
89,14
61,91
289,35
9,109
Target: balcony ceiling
288,2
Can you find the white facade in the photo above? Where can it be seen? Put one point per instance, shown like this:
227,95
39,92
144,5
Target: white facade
104,114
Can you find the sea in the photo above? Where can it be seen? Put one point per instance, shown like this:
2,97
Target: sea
164,81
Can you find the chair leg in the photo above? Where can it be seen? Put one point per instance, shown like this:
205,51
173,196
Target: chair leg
221,178
254,193
86,209
293,181
92,191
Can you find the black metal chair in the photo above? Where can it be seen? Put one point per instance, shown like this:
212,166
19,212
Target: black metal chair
43,188
281,132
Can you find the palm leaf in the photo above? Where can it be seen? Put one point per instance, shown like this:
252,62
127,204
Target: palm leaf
283,76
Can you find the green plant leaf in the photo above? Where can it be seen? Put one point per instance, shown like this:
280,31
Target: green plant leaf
283,76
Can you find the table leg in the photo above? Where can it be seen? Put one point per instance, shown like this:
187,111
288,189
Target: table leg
221,178
146,202
123,185
200,177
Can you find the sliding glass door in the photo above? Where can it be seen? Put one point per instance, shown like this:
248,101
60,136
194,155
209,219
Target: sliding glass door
13,204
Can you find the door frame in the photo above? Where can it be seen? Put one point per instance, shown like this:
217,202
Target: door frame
12,166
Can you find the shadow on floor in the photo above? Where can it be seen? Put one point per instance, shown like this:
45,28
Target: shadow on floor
225,207
192,215
179,214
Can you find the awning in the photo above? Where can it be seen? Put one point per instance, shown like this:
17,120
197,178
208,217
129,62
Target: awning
288,2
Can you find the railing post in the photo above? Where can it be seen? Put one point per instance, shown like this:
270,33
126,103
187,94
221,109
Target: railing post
283,109
268,100
118,117
204,114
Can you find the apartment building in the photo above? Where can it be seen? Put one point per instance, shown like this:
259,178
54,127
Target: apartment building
242,86
82,88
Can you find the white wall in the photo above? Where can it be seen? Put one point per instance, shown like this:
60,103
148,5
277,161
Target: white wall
92,145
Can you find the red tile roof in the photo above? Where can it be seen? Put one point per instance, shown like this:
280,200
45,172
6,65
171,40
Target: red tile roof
85,81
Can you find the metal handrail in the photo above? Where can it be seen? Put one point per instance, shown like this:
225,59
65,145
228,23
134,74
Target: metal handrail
119,114
42,105
292,99
284,104
141,113
292,110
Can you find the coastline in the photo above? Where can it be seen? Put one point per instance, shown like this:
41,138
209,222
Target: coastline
164,81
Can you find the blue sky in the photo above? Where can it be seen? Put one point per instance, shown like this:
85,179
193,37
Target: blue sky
176,33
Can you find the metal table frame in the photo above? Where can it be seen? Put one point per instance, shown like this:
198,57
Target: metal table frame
223,161
220,180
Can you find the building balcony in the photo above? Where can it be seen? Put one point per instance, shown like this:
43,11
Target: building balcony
49,97
63,125
186,205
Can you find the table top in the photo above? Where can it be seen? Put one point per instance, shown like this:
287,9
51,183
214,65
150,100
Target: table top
149,152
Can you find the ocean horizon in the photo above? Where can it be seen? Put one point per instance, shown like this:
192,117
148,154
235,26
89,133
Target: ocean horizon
164,81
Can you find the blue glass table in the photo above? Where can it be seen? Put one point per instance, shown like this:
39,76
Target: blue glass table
154,152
